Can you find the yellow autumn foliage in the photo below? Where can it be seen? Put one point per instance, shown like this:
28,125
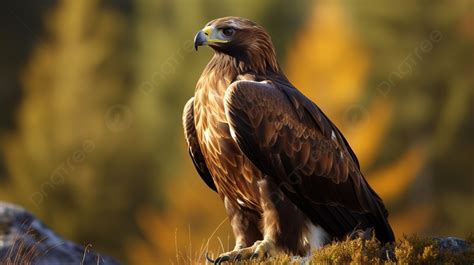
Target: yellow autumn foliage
392,180
326,63
190,226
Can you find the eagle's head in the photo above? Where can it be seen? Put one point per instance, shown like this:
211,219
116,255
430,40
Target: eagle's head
240,38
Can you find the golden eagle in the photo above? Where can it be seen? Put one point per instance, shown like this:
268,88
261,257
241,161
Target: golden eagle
289,180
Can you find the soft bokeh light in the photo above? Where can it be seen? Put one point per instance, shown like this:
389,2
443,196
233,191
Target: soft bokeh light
92,93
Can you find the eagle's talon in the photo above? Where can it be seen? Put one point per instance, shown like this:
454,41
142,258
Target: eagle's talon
209,259
259,250
254,256
237,257
221,259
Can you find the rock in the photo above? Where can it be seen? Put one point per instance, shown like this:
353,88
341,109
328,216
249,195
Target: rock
452,244
26,240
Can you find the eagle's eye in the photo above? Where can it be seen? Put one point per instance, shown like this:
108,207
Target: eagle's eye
228,32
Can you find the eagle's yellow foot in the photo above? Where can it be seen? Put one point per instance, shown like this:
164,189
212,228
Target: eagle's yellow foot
260,249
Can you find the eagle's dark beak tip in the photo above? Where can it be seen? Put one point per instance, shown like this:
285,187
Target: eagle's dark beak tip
199,39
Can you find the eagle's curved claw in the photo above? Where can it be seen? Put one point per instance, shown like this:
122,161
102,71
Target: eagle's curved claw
209,259
237,257
221,259
254,256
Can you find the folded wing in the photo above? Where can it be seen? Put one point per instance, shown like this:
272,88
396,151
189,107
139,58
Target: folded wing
289,139
193,144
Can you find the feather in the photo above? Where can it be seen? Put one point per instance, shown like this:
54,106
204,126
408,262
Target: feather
338,185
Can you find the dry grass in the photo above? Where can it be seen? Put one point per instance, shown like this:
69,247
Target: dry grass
23,253
408,250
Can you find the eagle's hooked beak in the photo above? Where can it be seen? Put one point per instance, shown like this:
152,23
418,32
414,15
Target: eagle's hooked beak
199,40
207,35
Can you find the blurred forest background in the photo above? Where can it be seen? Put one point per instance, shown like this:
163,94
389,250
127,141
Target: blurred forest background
91,96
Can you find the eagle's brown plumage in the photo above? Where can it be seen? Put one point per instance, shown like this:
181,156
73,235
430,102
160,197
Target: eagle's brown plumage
282,168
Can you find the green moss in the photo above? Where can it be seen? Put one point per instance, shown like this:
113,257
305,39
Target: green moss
408,250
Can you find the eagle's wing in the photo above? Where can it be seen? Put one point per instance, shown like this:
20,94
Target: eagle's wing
193,145
289,139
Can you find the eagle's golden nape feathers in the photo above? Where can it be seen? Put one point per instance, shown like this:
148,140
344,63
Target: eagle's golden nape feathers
289,179
240,38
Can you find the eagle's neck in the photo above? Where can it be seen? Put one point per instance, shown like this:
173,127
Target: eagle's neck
229,66
223,69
